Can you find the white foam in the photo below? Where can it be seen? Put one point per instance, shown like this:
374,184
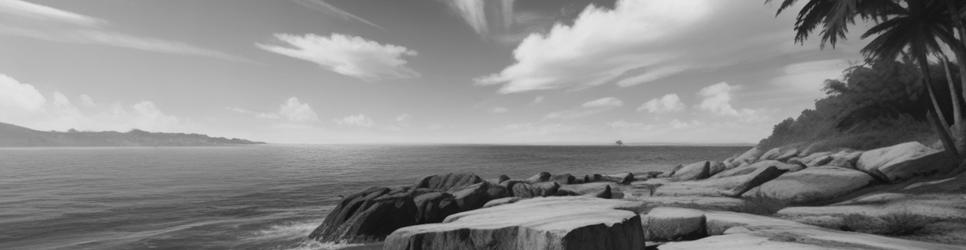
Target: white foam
315,245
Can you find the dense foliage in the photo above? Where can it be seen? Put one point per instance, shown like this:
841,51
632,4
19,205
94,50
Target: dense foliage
874,105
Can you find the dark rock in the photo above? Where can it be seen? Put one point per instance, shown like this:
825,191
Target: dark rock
541,177
369,215
564,179
502,178
434,207
476,195
447,182
501,201
530,190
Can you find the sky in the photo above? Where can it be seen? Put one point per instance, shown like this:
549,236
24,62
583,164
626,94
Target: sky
419,71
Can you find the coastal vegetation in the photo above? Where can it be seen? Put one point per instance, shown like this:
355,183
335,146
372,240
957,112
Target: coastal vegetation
16,136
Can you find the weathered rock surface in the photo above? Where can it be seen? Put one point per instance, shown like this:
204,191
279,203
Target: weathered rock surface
625,178
732,186
448,182
747,169
474,196
812,185
745,231
779,154
564,179
693,171
369,215
673,224
434,207
501,201
716,167
903,161
541,177
528,190
540,223
747,157
586,188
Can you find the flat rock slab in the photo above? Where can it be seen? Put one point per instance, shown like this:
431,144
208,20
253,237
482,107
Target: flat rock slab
812,185
745,231
672,224
538,223
903,161
731,186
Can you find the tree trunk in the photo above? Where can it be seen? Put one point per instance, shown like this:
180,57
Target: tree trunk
957,133
936,116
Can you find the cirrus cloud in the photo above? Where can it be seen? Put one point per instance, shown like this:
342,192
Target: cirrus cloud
347,55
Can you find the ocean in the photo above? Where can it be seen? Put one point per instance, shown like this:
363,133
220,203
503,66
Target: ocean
251,197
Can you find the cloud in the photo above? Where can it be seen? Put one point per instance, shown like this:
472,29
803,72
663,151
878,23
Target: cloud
587,109
605,102
357,120
403,117
665,104
43,13
22,104
717,100
538,100
474,13
499,110
601,45
290,111
347,55
810,76
41,22
329,9
644,41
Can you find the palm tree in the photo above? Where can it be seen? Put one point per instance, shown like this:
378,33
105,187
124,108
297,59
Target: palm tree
913,26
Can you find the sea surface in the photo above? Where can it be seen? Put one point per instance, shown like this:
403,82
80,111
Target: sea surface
251,197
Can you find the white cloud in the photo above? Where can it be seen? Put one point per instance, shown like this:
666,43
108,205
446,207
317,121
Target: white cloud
403,117
666,104
22,104
472,12
587,109
809,77
347,55
601,45
41,22
357,120
329,9
291,111
605,102
621,124
87,100
717,100
499,110
296,111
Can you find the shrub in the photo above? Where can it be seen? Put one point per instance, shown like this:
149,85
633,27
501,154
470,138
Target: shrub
904,223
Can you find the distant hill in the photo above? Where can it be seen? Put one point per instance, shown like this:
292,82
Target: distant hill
17,136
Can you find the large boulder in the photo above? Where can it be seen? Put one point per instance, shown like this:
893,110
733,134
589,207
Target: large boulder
369,215
474,196
564,179
903,161
747,157
732,186
625,178
447,182
693,171
752,232
812,185
540,177
434,207
528,190
541,223
595,189
844,159
747,169
673,224
716,167
779,154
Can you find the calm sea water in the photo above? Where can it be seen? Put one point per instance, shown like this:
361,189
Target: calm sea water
250,197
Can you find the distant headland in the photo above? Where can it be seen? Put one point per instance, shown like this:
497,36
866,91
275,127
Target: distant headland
17,136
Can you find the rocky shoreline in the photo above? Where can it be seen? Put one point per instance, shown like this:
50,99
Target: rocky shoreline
760,199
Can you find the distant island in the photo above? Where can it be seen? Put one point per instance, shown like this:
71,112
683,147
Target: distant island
17,136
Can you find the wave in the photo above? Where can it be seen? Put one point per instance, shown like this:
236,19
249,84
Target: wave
315,245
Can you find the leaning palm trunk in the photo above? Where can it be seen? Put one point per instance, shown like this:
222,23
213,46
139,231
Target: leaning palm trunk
936,116
957,125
